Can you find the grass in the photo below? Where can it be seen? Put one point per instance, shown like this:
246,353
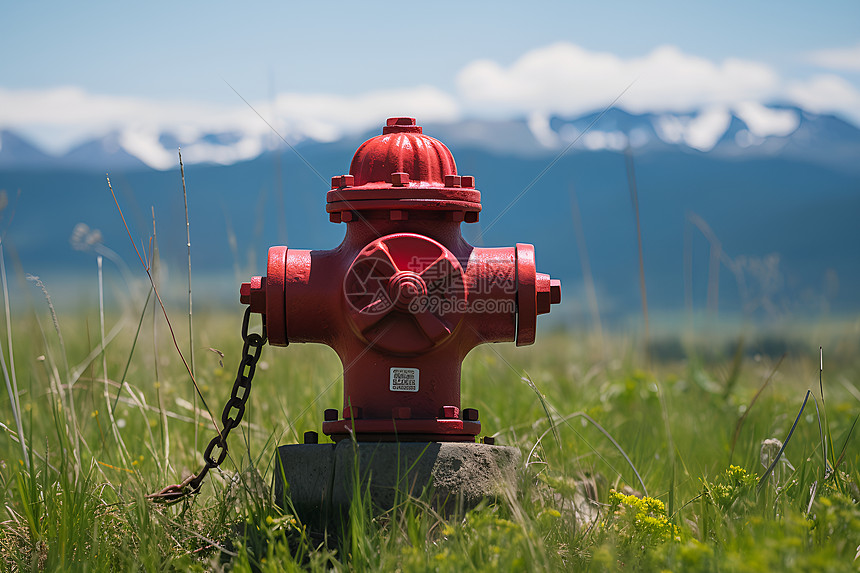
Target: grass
586,426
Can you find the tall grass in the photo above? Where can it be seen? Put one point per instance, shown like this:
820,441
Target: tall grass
659,463
671,426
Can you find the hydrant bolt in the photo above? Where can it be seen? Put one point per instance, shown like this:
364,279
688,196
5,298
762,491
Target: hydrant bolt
470,414
254,294
340,181
330,414
399,179
450,412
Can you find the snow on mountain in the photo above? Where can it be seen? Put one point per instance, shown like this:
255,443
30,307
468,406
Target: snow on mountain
160,150
748,129
764,122
700,131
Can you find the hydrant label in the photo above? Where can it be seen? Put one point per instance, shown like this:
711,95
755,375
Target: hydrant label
404,380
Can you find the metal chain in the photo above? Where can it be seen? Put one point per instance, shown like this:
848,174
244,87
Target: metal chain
229,420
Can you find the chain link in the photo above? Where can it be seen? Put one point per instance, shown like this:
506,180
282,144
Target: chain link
229,420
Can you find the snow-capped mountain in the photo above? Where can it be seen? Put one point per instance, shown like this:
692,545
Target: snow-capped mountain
778,187
748,130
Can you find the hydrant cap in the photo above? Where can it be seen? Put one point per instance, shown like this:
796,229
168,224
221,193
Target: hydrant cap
402,148
403,169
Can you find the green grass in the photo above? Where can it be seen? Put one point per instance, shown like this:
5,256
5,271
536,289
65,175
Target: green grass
580,504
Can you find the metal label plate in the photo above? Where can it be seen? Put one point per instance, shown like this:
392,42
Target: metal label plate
403,380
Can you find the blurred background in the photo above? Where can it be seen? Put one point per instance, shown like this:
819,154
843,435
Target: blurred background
731,131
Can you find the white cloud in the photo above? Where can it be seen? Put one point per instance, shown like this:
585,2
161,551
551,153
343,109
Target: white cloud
847,59
565,78
826,93
561,78
65,115
327,117
62,116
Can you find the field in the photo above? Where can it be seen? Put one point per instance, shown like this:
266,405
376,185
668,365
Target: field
632,459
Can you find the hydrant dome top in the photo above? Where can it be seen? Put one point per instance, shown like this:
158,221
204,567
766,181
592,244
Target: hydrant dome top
403,169
402,148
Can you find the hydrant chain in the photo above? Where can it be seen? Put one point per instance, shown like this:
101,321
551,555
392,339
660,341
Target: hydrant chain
237,401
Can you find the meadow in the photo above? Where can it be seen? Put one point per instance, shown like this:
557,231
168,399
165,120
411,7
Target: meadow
635,457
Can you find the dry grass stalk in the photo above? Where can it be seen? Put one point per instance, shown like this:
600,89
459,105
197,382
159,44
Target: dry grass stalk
190,321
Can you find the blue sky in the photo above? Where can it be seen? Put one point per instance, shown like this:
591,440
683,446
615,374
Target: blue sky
69,69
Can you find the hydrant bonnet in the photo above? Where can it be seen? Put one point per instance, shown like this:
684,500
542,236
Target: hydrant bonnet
400,171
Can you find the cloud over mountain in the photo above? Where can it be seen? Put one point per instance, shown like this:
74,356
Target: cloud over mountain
826,93
567,79
60,117
559,79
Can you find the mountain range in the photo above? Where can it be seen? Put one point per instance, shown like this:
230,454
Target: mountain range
745,131
749,210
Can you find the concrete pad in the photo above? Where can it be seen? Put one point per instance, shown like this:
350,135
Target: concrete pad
452,477
308,470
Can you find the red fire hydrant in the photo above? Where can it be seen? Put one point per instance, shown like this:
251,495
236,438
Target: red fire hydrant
404,298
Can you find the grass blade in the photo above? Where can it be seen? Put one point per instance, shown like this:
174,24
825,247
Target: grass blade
131,352
618,447
123,450
735,370
190,321
828,437
845,445
566,419
16,409
146,268
11,379
751,404
821,436
784,444
73,420
527,379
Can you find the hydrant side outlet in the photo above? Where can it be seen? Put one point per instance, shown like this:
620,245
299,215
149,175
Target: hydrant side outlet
404,297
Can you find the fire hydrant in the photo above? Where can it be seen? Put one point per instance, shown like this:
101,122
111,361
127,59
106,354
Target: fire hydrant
404,298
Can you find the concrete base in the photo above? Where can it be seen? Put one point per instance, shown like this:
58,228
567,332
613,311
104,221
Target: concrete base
452,477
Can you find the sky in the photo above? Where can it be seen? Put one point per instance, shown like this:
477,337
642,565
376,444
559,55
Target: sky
69,71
